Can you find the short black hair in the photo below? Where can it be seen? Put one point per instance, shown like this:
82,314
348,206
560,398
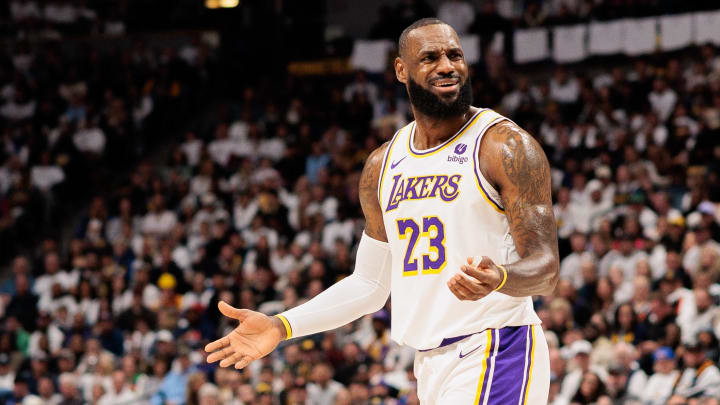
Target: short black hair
402,41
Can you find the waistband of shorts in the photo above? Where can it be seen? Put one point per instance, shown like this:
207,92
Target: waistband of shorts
449,341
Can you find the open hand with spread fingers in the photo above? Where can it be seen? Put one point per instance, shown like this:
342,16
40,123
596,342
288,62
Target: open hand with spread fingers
476,281
255,337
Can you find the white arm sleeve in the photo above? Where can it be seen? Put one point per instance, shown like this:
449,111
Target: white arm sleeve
363,292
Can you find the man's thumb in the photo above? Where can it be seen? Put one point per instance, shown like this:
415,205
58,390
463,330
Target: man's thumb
232,312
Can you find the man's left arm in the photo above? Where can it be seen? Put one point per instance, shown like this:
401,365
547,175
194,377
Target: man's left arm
517,167
519,170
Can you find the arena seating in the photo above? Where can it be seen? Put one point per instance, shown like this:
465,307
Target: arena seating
254,202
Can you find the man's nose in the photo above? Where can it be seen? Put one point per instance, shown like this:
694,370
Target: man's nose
445,66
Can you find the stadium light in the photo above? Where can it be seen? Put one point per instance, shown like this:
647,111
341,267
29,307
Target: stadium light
213,4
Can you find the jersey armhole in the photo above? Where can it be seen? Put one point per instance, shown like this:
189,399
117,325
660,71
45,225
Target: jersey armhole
489,193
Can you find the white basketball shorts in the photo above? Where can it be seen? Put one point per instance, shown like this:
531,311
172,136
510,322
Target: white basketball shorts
507,366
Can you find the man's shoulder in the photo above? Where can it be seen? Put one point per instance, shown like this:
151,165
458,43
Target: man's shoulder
376,156
711,371
662,379
374,162
503,136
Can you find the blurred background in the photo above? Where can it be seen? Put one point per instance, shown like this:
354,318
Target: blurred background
158,156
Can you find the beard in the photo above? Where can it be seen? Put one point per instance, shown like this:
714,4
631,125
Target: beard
432,105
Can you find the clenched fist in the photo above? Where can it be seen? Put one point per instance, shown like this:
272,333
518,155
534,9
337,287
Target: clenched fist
476,282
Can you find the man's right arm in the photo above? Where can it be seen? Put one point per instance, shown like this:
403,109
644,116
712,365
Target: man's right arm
368,192
368,288
363,292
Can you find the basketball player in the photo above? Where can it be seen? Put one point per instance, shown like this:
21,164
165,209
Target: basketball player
459,227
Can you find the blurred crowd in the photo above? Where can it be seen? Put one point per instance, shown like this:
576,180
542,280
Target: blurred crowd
485,17
53,19
70,118
258,206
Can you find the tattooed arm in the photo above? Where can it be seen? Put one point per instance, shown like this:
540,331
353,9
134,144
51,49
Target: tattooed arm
517,167
368,192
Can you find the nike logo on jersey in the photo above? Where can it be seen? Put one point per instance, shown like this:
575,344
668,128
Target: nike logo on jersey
394,164
468,353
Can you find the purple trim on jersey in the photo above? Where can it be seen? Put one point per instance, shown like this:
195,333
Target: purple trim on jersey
449,341
452,138
510,364
476,164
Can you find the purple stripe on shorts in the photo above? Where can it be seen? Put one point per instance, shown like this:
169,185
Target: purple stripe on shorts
508,378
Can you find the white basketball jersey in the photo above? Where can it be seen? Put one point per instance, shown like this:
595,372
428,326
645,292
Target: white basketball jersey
438,209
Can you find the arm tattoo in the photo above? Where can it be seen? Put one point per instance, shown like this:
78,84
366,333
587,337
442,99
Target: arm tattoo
523,175
368,193
530,214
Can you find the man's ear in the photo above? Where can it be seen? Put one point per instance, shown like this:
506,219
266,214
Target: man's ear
400,71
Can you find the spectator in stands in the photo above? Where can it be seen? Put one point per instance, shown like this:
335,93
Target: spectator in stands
323,390
174,384
579,353
700,378
661,383
571,263
591,389
361,85
458,14
705,315
535,14
208,394
68,387
662,99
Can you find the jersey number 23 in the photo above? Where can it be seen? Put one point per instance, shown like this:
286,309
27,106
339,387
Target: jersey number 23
433,229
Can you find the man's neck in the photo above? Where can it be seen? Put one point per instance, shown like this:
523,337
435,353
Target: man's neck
432,131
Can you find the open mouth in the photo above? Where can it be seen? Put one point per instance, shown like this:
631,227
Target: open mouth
445,84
